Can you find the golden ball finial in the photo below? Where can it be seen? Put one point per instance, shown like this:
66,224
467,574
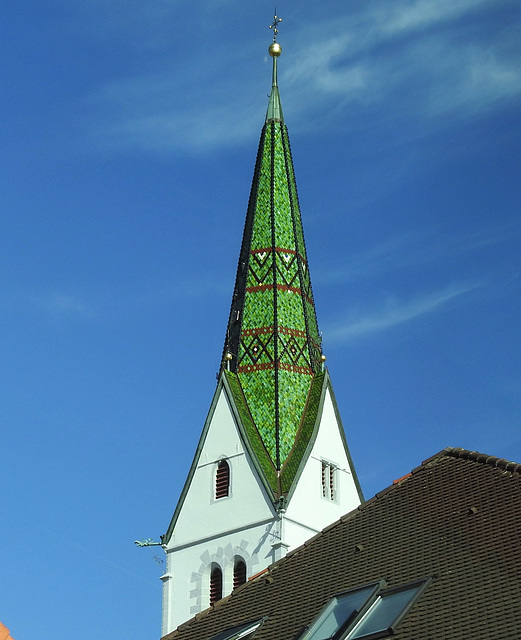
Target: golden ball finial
275,49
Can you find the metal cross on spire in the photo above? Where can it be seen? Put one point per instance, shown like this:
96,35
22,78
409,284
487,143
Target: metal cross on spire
273,26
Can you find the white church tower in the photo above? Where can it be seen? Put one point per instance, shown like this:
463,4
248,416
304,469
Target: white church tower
272,467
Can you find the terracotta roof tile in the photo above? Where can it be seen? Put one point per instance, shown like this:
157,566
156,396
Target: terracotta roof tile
4,633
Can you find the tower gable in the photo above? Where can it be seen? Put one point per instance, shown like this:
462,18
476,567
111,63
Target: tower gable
321,434
225,521
223,439
326,485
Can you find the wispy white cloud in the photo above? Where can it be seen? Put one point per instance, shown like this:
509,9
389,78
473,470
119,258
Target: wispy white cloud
51,304
195,130
392,253
414,248
418,59
392,313
62,303
418,15
424,54
200,287
161,113
59,306
486,237
474,79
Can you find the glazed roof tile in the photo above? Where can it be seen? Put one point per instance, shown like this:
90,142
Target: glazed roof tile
272,344
456,519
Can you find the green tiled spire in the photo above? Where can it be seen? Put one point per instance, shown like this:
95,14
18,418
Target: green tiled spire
273,345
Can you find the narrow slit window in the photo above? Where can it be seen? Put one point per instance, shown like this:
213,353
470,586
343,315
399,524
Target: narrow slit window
329,480
239,573
216,584
222,480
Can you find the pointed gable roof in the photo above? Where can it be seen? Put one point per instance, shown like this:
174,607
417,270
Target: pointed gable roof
455,519
272,344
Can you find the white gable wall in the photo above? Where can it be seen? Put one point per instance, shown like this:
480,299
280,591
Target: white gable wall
308,510
213,517
245,524
210,530
187,581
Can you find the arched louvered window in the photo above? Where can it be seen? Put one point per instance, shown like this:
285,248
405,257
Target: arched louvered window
216,584
222,480
239,572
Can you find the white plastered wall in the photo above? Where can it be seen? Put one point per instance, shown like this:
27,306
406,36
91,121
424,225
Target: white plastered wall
210,530
308,511
245,523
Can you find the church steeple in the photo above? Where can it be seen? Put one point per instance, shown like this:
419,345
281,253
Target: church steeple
272,467
272,343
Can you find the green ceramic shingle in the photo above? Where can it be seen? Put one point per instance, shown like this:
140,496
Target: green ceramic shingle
253,435
272,335
307,426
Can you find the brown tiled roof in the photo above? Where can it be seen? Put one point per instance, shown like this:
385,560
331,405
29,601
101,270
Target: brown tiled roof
456,518
4,633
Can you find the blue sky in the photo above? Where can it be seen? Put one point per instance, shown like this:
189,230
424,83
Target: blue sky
129,132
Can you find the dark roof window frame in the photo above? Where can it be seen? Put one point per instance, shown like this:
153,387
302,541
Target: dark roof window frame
365,613
340,611
382,615
240,632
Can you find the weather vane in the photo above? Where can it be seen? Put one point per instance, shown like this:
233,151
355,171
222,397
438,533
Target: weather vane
273,26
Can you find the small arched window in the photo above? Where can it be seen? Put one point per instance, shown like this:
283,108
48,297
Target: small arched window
222,480
216,584
239,572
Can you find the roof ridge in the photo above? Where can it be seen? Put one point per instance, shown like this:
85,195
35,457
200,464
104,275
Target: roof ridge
476,456
268,573
454,452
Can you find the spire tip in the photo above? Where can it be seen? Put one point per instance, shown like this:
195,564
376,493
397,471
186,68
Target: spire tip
276,21
275,49
274,113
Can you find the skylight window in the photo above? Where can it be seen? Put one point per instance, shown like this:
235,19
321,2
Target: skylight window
385,612
242,632
367,612
339,612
